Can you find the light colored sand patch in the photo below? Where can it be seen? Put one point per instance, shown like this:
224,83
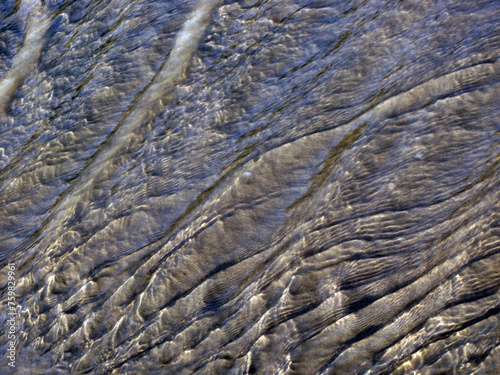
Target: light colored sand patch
26,58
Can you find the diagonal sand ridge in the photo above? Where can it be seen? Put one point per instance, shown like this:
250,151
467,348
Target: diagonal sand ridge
26,58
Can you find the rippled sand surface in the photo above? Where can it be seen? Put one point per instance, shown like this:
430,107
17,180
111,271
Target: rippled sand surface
250,187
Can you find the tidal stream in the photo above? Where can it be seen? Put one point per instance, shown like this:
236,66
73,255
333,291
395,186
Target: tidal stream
249,187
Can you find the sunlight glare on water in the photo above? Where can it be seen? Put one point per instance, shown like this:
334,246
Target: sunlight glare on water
249,187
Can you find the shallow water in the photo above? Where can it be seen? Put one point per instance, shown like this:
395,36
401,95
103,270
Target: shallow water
233,187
